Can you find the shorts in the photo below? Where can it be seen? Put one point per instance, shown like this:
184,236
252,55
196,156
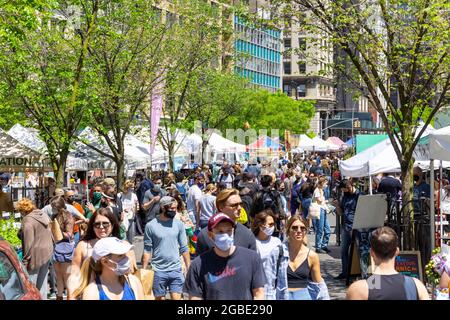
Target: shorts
301,294
173,280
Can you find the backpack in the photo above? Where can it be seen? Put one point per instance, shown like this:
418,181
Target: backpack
268,199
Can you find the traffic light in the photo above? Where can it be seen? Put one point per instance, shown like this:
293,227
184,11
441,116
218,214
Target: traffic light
357,124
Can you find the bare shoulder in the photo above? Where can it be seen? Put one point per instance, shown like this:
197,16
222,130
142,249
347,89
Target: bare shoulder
91,292
313,257
421,290
359,290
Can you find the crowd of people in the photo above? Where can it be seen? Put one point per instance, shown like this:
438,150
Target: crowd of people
261,226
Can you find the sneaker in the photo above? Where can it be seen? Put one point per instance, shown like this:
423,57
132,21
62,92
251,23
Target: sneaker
326,250
341,277
51,296
320,251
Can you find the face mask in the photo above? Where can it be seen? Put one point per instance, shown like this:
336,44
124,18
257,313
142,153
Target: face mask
122,267
130,190
268,231
157,188
416,178
96,197
70,199
223,241
171,214
201,186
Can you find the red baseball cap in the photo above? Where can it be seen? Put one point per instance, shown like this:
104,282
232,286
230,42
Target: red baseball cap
218,218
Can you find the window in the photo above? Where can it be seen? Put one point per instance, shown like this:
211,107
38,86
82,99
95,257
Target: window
301,90
287,89
287,43
287,68
301,67
10,285
302,44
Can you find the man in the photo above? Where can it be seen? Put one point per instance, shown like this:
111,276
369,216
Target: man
386,283
193,199
268,198
225,272
253,168
227,177
164,241
421,189
228,202
389,185
346,208
57,203
150,203
142,184
4,182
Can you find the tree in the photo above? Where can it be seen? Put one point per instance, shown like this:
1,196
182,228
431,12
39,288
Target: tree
126,60
399,47
196,45
268,111
213,99
42,68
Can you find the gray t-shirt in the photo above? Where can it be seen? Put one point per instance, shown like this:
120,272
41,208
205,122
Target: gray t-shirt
166,241
207,206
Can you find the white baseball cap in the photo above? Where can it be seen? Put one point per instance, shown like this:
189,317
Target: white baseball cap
110,245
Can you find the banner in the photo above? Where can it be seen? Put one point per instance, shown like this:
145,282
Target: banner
157,104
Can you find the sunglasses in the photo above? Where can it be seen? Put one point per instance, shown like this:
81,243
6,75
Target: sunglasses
99,225
298,228
235,205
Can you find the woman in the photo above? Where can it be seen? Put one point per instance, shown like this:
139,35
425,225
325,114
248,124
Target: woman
182,213
321,225
105,275
37,243
63,251
103,224
263,227
207,205
295,268
307,191
130,205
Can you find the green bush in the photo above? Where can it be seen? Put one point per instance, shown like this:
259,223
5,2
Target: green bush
8,230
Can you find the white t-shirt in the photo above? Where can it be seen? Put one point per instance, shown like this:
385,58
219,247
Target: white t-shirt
264,248
318,195
129,203
194,195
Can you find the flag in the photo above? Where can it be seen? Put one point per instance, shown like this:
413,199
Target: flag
157,104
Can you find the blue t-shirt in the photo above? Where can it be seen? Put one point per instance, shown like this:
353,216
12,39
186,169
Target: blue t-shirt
417,193
348,205
165,240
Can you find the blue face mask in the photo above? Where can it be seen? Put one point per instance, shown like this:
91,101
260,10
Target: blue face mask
223,241
201,186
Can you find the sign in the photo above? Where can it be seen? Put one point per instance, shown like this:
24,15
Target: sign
23,162
409,264
370,212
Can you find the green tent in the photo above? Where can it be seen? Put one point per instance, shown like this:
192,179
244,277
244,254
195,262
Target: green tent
365,141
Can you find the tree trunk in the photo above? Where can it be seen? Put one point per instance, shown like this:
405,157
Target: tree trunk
407,195
59,167
120,172
170,151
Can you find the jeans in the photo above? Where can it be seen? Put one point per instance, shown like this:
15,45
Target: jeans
39,279
322,229
174,280
203,224
306,203
131,232
346,239
52,276
363,239
301,294
76,238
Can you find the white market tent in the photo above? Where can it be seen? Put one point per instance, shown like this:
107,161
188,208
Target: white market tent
16,156
439,146
219,144
320,145
305,144
30,138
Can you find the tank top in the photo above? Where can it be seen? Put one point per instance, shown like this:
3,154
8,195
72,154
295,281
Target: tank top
299,278
128,293
390,287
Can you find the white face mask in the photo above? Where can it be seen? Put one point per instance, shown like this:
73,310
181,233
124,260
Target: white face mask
223,241
122,267
268,231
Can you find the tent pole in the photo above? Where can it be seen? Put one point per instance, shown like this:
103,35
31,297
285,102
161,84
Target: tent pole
432,222
370,185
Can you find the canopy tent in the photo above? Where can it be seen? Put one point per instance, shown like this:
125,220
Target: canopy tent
18,157
265,143
306,143
440,144
379,158
217,143
338,142
30,138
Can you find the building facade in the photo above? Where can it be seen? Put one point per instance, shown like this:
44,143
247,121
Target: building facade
307,71
258,55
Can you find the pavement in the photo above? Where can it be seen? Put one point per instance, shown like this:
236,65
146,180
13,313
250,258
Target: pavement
330,263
